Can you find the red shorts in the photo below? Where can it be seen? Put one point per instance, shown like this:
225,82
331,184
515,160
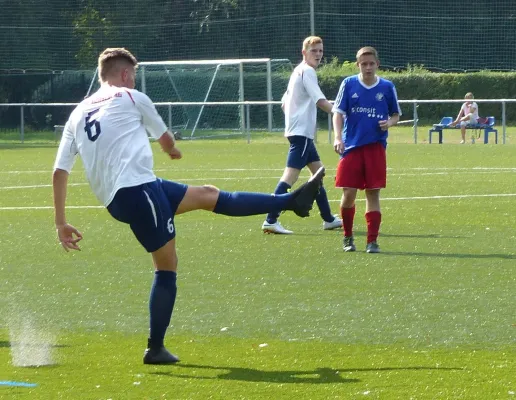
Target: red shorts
363,168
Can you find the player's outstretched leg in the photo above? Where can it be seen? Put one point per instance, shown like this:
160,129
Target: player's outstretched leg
303,197
238,204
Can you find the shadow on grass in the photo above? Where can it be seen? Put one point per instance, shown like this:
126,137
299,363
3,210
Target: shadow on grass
318,375
5,343
449,255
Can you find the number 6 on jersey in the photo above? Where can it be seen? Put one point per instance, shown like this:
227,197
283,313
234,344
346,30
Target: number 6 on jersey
90,122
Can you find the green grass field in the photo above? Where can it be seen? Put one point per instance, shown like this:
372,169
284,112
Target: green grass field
269,317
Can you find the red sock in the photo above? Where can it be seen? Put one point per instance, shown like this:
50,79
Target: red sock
348,215
373,219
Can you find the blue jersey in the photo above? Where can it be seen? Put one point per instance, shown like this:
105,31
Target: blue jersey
363,107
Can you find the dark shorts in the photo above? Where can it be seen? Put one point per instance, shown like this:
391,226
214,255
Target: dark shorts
363,168
302,152
149,209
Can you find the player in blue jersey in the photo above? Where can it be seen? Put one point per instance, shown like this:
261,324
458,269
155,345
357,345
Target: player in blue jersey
365,108
109,131
300,103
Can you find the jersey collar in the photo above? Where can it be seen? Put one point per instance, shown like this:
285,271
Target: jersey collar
361,81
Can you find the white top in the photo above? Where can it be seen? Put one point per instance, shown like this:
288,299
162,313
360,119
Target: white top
300,102
109,131
471,109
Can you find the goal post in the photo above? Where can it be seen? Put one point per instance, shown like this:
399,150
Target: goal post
180,88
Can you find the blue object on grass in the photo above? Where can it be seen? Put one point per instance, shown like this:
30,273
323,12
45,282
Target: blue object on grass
22,384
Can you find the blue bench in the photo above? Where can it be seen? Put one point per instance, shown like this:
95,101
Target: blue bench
445,124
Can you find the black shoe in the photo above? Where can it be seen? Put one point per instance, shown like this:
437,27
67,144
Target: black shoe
303,197
348,244
159,356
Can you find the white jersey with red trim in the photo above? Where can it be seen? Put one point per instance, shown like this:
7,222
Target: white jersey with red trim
109,130
300,102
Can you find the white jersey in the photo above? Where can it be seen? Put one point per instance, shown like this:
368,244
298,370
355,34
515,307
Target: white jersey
109,132
470,109
300,102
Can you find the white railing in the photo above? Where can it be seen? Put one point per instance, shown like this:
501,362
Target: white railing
415,104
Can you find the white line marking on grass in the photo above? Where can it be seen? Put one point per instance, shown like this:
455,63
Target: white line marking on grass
45,208
453,196
448,173
160,170
248,178
457,196
281,169
37,186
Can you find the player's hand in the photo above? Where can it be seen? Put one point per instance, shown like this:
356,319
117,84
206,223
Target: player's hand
68,237
338,146
384,124
175,153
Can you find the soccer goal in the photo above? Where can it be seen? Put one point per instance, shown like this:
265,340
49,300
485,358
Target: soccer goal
200,98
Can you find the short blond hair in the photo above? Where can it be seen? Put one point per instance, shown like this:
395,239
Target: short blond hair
310,41
367,50
112,58
469,95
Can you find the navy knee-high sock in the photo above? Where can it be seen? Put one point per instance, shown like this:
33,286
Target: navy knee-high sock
281,188
240,204
324,205
161,305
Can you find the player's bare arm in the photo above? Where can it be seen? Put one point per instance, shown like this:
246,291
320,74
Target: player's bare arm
168,145
387,123
68,235
325,105
338,124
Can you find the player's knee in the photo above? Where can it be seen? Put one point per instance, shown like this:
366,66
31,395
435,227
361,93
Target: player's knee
165,258
168,263
211,190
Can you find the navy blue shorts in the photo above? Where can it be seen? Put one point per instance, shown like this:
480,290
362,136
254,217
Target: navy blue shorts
302,152
149,209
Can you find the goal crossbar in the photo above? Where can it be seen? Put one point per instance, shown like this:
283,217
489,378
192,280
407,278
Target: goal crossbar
208,62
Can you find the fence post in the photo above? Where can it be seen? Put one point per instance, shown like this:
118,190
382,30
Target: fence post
415,122
312,18
503,122
269,95
22,124
241,96
248,123
170,117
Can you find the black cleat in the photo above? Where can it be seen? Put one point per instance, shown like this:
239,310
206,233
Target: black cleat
349,244
303,197
159,356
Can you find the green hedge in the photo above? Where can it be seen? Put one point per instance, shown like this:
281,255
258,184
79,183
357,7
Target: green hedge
416,83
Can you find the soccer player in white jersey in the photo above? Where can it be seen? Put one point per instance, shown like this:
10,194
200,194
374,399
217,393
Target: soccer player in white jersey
109,132
299,103
369,106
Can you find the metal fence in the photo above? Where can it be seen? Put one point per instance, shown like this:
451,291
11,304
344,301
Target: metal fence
245,124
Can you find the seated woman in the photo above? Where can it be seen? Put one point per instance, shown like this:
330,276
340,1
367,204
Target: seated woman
468,115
